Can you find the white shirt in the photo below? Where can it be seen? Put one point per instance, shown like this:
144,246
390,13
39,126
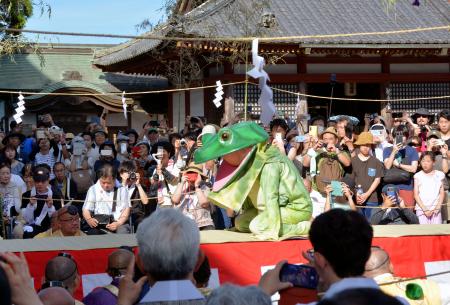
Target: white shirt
165,291
318,202
17,180
101,202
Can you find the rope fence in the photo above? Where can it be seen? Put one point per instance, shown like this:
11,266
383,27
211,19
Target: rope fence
226,84
228,38
193,192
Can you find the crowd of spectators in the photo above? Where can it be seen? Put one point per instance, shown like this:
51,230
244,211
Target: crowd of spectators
394,171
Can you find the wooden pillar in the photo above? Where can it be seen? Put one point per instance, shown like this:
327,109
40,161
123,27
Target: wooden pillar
187,102
170,108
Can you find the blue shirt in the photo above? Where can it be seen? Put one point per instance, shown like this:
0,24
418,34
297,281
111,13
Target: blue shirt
407,155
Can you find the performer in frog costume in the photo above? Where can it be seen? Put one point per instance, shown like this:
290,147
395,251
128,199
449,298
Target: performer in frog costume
257,181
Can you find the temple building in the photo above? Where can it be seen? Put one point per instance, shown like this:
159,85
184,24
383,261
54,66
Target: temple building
313,61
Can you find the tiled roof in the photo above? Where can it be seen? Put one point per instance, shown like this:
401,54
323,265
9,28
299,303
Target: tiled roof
306,17
28,73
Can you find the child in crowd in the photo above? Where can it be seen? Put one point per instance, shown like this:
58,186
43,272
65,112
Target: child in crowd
367,172
428,190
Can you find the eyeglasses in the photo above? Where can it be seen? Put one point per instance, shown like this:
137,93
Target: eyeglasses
414,144
72,219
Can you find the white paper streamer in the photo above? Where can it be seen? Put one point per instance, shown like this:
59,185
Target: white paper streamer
219,94
19,109
124,105
266,98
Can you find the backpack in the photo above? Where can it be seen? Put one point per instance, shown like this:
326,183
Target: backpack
328,169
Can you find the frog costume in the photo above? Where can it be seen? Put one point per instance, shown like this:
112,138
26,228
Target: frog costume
265,187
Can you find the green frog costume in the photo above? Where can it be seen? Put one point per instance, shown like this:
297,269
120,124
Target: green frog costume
265,189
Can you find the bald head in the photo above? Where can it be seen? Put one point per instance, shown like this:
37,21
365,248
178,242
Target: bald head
118,262
378,263
62,269
56,296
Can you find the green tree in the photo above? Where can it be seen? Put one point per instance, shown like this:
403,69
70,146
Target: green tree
14,14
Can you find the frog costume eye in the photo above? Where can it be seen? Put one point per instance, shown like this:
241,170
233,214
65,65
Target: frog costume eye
225,136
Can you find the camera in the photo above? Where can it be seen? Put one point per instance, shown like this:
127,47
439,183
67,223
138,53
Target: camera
183,142
132,176
423,129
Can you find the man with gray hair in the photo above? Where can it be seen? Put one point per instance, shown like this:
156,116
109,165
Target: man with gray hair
169,245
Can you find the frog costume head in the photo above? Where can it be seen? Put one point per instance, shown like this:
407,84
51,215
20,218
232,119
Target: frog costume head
230,139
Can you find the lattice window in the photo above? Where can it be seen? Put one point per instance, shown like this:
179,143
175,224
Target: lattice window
283,101
414,90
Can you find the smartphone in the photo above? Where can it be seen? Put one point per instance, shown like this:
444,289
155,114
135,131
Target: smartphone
278,136
398,138
123,148
314,131
390,191
78,147
300,139
337,188
376,132
136,152
349,131
106,152
300,275
160,152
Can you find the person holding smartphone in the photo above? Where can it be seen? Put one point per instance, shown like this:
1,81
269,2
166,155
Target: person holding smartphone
393,210
404,157
278,130
191,197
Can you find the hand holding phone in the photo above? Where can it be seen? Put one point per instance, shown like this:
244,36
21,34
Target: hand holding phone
303,276
313,131
336,188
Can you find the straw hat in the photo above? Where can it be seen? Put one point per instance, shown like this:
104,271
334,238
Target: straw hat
194,168
331,130
365,138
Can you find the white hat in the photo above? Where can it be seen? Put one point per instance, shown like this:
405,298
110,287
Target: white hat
208,129
55,128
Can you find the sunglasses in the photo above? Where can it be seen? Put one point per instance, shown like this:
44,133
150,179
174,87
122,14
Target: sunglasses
422,116
414,144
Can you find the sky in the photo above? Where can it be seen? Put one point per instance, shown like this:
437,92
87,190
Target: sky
93,16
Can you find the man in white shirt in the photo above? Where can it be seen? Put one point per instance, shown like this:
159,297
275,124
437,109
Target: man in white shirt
106,209
341,247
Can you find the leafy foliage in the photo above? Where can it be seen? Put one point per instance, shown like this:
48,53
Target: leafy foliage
14,14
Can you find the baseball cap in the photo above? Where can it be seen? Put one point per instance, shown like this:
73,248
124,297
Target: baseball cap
41,174
434,134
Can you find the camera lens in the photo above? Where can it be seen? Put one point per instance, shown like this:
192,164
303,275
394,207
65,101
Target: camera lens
133,176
